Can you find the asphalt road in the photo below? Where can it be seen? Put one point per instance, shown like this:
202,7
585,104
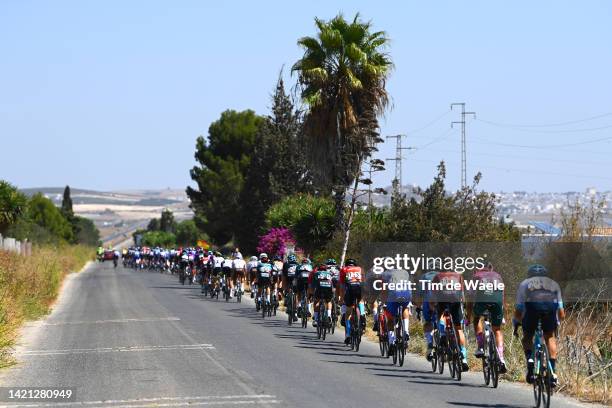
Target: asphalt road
133,339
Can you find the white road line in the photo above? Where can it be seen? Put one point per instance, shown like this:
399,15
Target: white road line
146,319
171,401
118,349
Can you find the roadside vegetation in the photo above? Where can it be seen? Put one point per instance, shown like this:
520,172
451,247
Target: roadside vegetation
62,243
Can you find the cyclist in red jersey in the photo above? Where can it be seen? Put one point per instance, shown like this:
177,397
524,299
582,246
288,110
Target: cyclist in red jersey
350,282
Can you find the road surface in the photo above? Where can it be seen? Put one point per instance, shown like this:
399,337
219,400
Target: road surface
133,339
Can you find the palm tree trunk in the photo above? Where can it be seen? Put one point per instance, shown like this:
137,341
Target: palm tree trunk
337,182
349,224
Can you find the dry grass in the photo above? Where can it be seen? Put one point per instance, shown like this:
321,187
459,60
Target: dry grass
29,285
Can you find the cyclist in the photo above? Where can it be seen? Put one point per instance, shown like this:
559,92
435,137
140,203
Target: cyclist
350,281
539,296
303,272
320,284
239,271
451,297
264,278
395,299
100,253
290,278
492,301
227,274
251,268
277,274
429,317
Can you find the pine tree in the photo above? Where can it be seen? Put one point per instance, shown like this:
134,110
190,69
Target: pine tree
67,211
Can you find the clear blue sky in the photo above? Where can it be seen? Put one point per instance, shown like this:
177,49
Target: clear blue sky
112,94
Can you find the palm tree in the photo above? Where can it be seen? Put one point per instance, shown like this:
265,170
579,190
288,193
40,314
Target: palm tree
342,77
12,205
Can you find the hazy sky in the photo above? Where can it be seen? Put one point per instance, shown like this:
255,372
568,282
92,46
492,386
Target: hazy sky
112,94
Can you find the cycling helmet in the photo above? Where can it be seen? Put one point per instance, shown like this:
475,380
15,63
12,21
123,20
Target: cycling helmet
291,258
305,260
263,255
331,261
322,267
350,262
253,258
277,258
537,270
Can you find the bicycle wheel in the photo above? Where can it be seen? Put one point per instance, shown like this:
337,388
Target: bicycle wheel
263,308
356,331
381,339
486,362
545,377
441,356
493,363
537,382
402,353
289,307
458,365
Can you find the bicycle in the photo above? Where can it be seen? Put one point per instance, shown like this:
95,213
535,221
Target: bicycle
383,337
355,330
437,357
238,292
321,321
490,359
304,307
289,305
542,370
401,339
334,314
452,351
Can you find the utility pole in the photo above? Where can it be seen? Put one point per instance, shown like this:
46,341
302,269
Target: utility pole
463,150
398,161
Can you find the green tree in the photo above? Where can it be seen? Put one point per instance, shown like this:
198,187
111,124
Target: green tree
85,231
158,239
468,215
277,168
67,211
167,222
342,76
44,213
187,233
223,160
153,225
12,205
310,219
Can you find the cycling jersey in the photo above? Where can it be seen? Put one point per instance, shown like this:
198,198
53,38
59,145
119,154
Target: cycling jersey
351,276
541,291
488,299
290,269
452,287
264,272
218,261
302,274
239,264
425,294
321,280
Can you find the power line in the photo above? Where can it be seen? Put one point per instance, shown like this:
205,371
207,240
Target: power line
529,171
485,141
570,122
429,123
520,129
436,140
505,156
